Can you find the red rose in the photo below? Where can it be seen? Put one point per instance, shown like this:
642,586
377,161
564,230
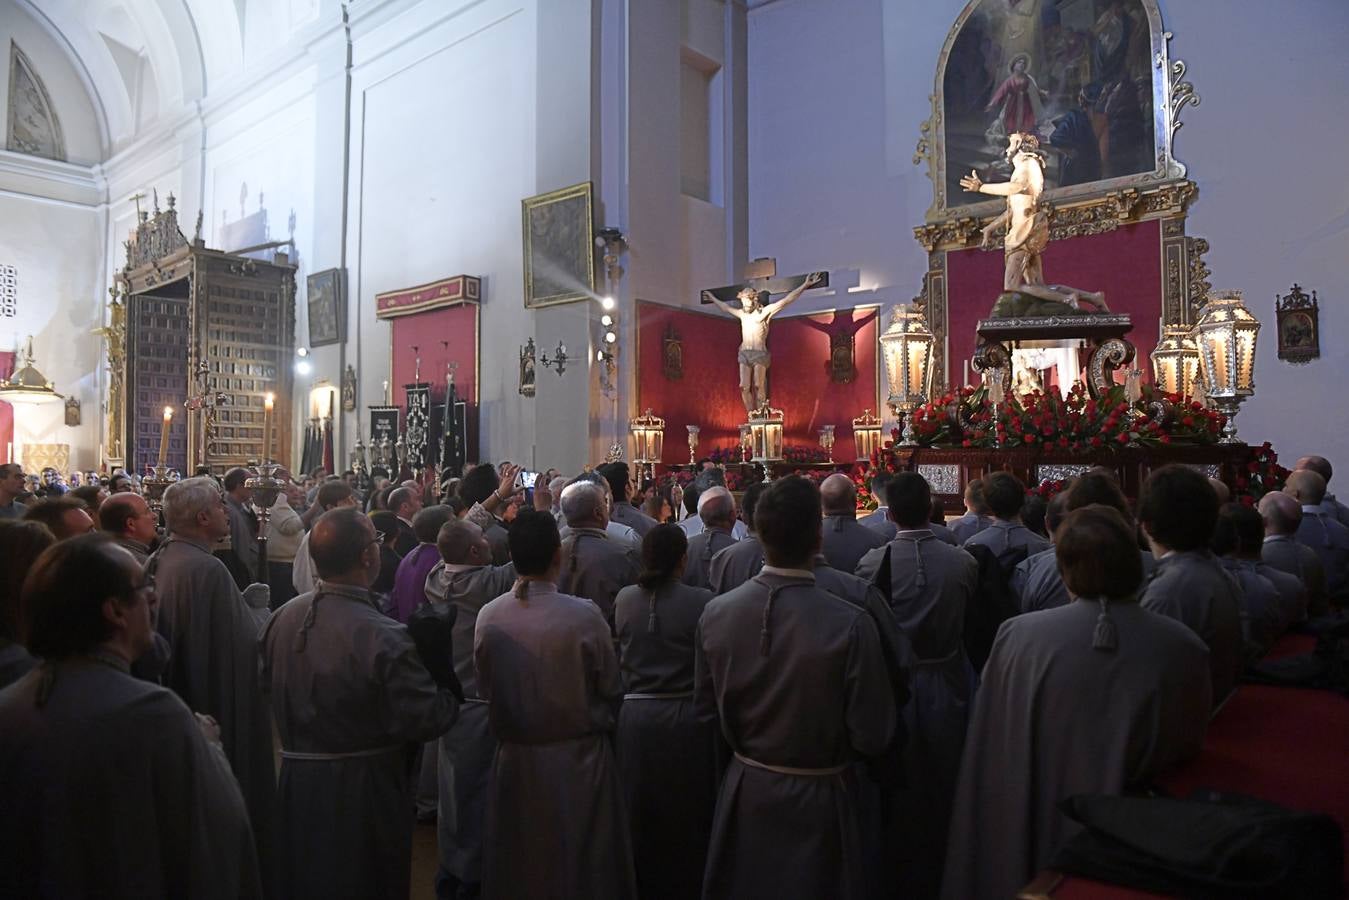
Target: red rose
1187,421
1063,441
1096,442
1028,438
1123,438
1165,439
967,443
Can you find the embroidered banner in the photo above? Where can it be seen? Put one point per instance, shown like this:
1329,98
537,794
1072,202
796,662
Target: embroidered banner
417,437
446,292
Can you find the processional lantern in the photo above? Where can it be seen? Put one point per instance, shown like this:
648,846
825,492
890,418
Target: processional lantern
1175,361
1226,333
866,430
27,384
765,428
907,345
648,437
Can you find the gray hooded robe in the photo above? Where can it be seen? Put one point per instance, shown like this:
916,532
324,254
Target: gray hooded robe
736,564
703,546
1194,588
596,566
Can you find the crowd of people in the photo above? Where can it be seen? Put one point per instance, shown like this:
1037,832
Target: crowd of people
603,688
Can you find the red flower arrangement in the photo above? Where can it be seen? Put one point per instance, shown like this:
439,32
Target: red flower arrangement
1048,489
1263,474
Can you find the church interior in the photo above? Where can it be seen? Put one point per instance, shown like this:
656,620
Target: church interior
515,277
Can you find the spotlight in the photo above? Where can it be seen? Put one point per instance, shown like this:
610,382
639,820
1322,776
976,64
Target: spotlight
599,356
607,302
610,337
302,352
302,367
607,321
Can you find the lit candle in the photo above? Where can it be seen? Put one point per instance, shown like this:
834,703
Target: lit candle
388,399
964,372
164,434
268,403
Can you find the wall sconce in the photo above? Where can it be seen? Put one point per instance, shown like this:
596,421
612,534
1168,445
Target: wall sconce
866,430
907,345
1175,361
648,437
559,360
1226,333
765,427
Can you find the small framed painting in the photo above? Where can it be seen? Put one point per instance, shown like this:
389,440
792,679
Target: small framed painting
1299,318
327,307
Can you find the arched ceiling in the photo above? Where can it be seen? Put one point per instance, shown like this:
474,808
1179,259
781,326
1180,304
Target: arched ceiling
142,60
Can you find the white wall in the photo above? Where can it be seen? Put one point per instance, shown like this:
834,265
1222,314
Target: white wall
837,91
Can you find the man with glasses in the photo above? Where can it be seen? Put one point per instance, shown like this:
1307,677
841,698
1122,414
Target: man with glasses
11,489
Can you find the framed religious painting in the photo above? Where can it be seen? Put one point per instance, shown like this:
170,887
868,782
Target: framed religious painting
1299,318
559,238
327,307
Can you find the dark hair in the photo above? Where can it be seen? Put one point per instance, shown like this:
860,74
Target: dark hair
1240,531
11,468
691,494
1033,514
114,512
937,512
88,495
331,493
379,472
1056,511
234,477
387,523
1005,494
662,549
1178,507
379,500
337,541
119,476
879,481
479,484
21,543
749,501
1097,554
616,473
909,497
426,523
52,510
61,613
974,495
454,503
400,495
533,541
1097,488
788,520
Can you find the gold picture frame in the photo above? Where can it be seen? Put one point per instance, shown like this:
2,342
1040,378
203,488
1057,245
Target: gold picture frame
559,244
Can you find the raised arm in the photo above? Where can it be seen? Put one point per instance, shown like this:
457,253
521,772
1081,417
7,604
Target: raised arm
1018,185
812,279
719,302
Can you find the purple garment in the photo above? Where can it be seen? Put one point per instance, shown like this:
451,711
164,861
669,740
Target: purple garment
409,584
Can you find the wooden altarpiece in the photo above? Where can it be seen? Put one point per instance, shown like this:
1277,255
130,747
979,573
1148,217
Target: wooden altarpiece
207,334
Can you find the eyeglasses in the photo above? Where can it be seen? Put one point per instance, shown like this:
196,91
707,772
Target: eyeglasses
379,538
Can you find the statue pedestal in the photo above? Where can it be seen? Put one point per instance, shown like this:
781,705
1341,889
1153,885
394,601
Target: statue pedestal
1105,332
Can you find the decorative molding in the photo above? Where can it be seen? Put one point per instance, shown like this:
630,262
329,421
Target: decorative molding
944,479
1198,274
34,128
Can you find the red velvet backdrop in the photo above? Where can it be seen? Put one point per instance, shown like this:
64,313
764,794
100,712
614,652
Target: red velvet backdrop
1125,263
6,410
798,381
459,326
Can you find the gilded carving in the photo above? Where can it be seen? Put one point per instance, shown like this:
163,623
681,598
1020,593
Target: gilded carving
1199,273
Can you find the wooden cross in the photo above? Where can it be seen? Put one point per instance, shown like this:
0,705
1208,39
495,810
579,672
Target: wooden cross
760,275
137,198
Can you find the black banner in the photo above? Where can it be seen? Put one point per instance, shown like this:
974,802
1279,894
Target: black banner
383,424
417,438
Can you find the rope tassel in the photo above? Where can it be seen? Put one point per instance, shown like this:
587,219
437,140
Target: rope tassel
1105,636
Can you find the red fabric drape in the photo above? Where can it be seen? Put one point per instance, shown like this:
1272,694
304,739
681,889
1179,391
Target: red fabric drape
6,410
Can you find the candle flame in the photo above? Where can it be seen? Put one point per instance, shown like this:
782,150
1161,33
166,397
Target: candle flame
168,413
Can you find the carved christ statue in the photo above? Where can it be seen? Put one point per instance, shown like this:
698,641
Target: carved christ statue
1027,227
754,315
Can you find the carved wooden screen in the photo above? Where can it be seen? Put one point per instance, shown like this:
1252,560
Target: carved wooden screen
246,333
157,352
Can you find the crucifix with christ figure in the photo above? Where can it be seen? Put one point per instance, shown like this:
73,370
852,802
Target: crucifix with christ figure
754,312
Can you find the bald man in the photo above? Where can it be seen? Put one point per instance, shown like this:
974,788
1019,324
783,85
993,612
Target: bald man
594,564
1321,466
466,580
716,507
131,522
846,540
1323,533
1281,551
350,694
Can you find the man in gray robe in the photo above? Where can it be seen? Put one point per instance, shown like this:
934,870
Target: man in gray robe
478,485
1005,536
716,507
131,522
353,702
977,516
846,540
879,520
1327,537
1041,729
594,565
1283,515
546,666
620,488
213,631
240,552
1236,541
1178,510
937,524
111,787
928,585
467,581
797,679
1329,505
738,563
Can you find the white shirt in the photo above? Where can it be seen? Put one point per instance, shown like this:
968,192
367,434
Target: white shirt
615,530
302,571
694,525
